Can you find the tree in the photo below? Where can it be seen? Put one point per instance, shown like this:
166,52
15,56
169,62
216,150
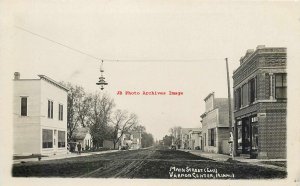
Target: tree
176,135
122,122
167,140
147,139
76,108
99,116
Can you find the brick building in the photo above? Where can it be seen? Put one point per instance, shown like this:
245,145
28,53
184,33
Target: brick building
260,103
215,125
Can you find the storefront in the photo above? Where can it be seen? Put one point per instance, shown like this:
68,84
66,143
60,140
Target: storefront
247,136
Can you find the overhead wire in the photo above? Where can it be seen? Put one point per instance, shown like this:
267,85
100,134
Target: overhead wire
113,60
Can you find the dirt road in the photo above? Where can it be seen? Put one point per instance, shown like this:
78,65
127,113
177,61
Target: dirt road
144,163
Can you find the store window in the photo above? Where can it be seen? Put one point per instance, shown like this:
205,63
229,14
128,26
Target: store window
61,139
254,137
47,138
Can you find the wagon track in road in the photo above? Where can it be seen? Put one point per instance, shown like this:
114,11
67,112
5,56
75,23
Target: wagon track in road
135,166
120,167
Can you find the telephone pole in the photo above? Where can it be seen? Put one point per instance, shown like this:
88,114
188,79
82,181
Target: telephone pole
230,113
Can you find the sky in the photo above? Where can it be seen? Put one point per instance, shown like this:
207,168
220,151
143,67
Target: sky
161,46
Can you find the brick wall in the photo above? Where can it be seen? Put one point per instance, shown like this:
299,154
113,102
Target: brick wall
272,130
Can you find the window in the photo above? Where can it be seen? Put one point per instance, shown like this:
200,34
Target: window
252,90
50,109
280,86
212,137
254,137
23,106
204,139
237,98
61,139
60,112
245,95
47,138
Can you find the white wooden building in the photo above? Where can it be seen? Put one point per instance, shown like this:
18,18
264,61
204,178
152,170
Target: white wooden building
40,116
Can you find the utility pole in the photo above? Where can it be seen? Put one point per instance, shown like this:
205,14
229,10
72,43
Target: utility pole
230,112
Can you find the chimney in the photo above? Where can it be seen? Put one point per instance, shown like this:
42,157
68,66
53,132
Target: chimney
17,75
260,46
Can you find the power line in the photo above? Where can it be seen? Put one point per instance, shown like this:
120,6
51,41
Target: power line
115,60
66,46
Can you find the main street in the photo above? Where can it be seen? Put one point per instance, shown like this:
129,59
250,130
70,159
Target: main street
155,162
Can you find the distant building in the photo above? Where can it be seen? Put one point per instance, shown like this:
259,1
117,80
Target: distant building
40,116
132,139
83,136
185,137
215,125
260,94
195,139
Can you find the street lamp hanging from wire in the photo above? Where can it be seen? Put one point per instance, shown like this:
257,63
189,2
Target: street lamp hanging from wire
101,78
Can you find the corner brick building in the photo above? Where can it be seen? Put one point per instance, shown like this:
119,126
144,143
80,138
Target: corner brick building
260,100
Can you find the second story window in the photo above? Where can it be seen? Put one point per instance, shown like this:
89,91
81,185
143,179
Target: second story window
23,106
245,94
60,112
252,90
50,109
280,86
237,99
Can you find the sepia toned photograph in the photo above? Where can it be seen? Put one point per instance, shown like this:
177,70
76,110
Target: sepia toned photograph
150,90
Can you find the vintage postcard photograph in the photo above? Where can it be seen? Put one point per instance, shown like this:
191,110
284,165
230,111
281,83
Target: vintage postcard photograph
150,92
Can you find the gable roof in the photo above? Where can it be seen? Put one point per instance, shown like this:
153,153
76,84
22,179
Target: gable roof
43,77
80,133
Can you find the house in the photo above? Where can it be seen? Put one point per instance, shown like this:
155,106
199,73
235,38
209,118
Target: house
184,138
132,139
83,136
260,100
39,116
215,125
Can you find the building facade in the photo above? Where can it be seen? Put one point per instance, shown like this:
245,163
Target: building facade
195,139
215,125
184,138
190,138
40,116
260,96
131,139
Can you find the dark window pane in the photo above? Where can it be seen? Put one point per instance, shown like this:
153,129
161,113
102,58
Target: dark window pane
48,109
252,90
281,93
47,138
51,109
284,80
24,106
245,95
61,138
278,80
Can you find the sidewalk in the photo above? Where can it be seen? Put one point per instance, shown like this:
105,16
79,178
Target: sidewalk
63,156
224,158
